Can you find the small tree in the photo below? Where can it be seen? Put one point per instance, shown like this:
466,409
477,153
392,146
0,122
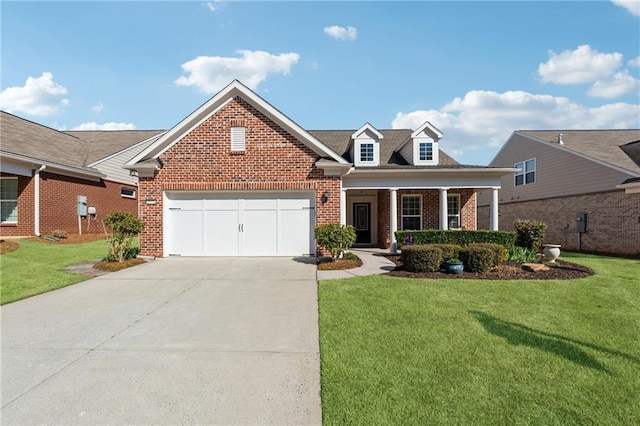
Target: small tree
335,238
123,226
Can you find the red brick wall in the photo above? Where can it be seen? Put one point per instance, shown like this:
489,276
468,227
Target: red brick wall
430,210
58,204
613,219
202,160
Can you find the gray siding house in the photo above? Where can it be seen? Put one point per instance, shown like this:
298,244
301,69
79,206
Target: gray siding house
584,184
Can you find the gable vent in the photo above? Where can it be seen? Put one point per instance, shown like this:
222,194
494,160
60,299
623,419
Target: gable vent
238,139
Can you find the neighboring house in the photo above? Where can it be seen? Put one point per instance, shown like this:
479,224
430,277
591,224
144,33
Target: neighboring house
239,178
564,175
44,171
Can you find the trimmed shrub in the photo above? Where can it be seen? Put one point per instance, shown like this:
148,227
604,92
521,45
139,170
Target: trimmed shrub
422,258
123,226
458,237
477,259
501,253
449,251
529,234
335,238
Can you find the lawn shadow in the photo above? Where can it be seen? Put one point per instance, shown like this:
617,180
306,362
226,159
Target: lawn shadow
518,334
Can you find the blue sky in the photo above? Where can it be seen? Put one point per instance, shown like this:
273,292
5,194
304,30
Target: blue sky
476,70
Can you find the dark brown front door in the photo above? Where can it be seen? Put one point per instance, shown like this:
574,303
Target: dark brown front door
362,222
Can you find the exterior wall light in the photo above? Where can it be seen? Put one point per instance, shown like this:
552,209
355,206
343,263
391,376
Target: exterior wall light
325,197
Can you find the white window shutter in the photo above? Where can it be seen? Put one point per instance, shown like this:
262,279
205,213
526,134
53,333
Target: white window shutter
238,139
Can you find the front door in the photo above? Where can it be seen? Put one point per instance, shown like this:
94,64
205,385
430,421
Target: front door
362,222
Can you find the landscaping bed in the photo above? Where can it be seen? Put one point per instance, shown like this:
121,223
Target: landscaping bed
505,271
349,261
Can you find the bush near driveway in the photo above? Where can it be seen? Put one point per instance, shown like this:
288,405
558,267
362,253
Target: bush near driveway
412,351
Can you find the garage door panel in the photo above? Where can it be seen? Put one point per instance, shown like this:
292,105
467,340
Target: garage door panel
221,235
260,232
221,204
295,234
185,232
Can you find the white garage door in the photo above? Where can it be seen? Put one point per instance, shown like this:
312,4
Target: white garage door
238,223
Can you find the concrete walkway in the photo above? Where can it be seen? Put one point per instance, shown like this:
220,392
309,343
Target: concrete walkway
173,341
373,262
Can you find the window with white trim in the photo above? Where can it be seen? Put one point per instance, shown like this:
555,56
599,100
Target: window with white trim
453,211
366,152
526,173
238,139
127,192
9,200
425,151
411,212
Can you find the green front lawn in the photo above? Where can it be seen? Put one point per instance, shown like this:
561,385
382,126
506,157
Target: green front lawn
36,267
413,351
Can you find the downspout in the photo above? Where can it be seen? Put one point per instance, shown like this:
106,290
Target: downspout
36,201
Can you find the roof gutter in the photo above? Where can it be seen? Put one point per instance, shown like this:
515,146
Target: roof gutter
56,168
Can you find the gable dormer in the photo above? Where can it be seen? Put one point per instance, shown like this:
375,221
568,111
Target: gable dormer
365,149
422,148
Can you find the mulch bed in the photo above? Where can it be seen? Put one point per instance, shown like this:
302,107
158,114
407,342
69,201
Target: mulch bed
117,266
7,246
340,264
505,271
72,238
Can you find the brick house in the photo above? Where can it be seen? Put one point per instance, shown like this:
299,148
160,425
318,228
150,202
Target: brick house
239,178
43,171
564,175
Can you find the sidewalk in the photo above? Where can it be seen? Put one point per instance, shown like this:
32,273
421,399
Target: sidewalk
373,262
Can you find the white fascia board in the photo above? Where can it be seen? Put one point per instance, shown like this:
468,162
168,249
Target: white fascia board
137,144
630,188
578,154
209,108
430,129
331,168
367,126
55,168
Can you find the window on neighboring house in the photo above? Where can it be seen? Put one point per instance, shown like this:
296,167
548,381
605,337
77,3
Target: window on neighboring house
453,211
526,173
238,139
366,152
411,212
128,192
9,199
425,151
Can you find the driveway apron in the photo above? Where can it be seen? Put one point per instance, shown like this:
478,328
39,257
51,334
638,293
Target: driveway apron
173,341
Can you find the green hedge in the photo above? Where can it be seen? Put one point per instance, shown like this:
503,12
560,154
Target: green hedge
422,258
458,237
478,258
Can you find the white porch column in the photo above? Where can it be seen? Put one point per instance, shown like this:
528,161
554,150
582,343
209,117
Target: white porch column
444,213
494,209
393,219
343,207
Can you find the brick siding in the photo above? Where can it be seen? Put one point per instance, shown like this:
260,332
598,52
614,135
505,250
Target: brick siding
58,204
613,220
202,160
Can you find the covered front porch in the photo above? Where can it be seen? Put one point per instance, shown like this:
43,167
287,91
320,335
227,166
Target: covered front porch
378,204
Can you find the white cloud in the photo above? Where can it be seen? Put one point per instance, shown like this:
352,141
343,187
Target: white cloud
105,126
39,96
211,73
634,62
482,121
583,65
213,5
617,85
341,33
633,6
97,108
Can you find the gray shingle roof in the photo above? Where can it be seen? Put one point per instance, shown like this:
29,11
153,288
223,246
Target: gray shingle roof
102,143
339,140
611,146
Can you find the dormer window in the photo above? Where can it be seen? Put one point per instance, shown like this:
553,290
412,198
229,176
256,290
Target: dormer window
425,151
366,152
365,149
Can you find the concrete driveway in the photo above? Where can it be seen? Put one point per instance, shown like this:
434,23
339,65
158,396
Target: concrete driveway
173,341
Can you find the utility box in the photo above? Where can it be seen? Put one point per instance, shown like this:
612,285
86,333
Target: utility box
82,205
581,222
